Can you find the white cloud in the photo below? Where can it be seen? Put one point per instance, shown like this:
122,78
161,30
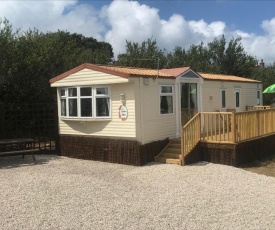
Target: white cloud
269,26
52,15
130,20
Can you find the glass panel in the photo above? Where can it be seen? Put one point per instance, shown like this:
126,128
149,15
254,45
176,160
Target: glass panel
63,107
193,95
86,107
189,105
72,107
166,89
166,104
103,91
62,92
258,97
223,99
237,99
72,92
102,107
86,91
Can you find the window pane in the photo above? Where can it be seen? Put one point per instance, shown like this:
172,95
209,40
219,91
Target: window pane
86,107
258,97
63,107
62,92
72,92
86,91
102,91
102,107
237,99
72,107
166,89
166,104
193,95
223,99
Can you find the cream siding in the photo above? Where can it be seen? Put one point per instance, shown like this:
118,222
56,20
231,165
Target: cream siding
248,95
113,127
88,77
154,126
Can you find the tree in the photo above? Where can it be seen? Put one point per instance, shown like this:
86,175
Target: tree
267,77
30,59
144,55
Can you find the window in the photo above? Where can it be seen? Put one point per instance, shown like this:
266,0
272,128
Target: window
237,98
85,102
102,102
63,102
258,97
166,99
223,99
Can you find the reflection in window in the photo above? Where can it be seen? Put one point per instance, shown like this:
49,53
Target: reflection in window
102,107
63,107
73,107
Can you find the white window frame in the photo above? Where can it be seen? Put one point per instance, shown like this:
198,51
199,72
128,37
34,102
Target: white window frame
94,96
166,94
223,90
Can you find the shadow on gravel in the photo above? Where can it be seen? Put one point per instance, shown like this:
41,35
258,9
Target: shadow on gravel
17,161
200,163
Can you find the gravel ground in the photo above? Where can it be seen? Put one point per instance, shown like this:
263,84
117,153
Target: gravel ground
64,193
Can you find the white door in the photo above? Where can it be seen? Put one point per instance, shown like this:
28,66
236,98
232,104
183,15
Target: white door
237,99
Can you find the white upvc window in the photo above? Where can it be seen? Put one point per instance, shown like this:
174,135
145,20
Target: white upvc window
85,102
166,99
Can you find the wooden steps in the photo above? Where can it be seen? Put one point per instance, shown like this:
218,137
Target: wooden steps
171,154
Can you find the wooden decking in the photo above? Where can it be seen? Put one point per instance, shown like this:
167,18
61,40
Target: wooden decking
224,130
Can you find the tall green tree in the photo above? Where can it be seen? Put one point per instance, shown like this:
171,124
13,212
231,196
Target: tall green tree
144,55
230,59
29,59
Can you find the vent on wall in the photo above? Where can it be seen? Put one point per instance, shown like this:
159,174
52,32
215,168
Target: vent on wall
146,81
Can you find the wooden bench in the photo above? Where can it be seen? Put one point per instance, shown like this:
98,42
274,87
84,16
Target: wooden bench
18,146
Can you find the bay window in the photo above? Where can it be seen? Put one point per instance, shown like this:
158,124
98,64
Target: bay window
85,102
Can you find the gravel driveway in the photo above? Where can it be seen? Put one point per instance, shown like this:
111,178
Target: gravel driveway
64,193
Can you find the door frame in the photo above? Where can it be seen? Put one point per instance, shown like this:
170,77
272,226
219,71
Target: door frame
179,81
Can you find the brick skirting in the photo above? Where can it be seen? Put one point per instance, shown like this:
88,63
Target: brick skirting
122,151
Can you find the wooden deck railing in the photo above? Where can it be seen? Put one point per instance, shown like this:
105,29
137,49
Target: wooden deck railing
253,124
226,127
190,135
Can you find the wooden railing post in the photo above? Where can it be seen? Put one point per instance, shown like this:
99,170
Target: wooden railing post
257,120
182,146
199,127
233,127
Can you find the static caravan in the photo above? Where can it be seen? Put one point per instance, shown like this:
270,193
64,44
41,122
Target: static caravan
127,115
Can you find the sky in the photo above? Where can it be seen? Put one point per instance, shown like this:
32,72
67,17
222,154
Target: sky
172,23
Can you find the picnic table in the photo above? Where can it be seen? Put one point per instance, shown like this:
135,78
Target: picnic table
18,146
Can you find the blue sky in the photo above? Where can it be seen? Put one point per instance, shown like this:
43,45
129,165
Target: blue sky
171,23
